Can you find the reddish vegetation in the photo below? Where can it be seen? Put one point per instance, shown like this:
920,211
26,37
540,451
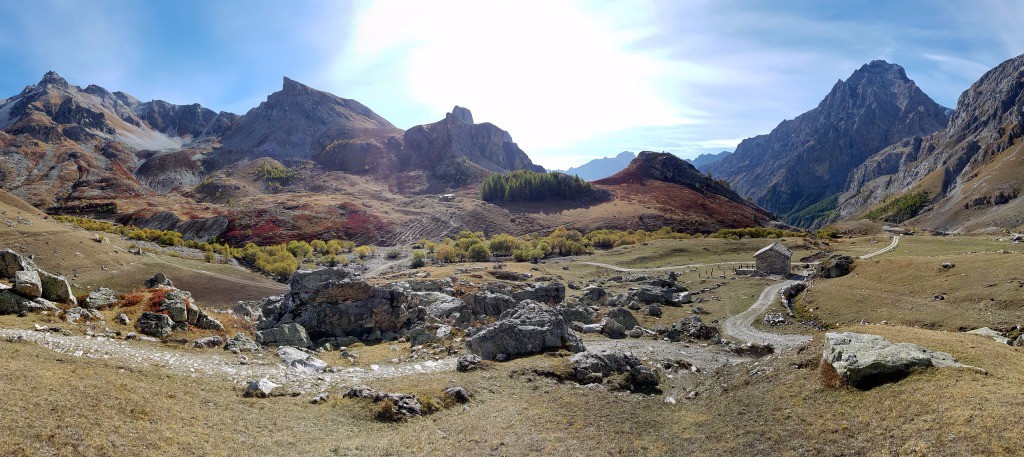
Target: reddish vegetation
130,300
305,221
686,209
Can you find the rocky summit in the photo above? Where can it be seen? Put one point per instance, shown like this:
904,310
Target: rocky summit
798,169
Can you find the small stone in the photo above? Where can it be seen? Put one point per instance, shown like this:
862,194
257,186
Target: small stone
262,388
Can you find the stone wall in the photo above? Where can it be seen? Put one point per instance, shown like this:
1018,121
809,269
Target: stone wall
772,262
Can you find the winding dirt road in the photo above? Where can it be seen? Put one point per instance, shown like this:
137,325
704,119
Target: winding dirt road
890,247
739,326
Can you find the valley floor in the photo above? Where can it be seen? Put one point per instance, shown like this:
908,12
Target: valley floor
82,395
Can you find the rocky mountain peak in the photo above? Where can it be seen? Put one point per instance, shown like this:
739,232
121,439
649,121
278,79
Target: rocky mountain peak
462,114
52,78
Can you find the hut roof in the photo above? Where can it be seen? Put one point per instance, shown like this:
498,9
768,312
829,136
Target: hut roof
778,247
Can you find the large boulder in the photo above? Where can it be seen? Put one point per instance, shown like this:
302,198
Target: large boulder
330,303
12,303
56,288
529,328
291,334
623,317
652,294
300,359
835,266
11,262
176,303
28,284
100,298
865,361
487,303
241,343
551,293
593,296
155,324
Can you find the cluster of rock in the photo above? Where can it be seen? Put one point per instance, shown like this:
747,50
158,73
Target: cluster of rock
332,307
402,406
177,311
595,367
33,289
865,361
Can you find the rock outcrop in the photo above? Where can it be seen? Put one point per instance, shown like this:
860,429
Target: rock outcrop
865,361
530,328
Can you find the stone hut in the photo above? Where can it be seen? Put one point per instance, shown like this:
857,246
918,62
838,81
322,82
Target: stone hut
773,260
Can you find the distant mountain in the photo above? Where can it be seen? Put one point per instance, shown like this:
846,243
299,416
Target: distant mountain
683,197
798,170
704,160
62,142
602,168
968,176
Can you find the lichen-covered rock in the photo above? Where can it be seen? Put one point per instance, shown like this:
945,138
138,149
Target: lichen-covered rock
835,266
100,298
155,324
56,288
487,303
12,303
241,343
159,280
468,362
865,361
208,342
551,293
593,296
624,317
530,328
28,284
593,367
300,359
11,262
693,327
291,334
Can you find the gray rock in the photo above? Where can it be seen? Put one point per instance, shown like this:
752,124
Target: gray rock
155,324
593,367
262,388
328,303
635,332
459,394
28,284
205,322
775,319
406,405
123,319
468,362
176,304
241,343
42,304
989,333
100,299
12,303
865,361
11,262
693,327
652,294
612,329
288,335
419,336
551,293
576,314
593,296
682,298
489,303
319,399
300,359
625,318
835,266
159,280
586,328
208,342
530,328
56,288
654,310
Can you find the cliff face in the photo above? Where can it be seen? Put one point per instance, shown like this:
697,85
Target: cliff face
971,170
806,161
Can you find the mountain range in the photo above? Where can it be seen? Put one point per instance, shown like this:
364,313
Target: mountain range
302,164
603,167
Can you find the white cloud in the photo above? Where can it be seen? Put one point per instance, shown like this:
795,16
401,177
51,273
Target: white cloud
965,68
552,73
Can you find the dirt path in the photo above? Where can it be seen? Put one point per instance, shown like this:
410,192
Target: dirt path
641,270
269,286
895,241
216,362
739,326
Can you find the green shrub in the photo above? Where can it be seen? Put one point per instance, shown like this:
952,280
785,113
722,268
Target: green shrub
447,253
478,252
364,252
523,186
393,254
419,259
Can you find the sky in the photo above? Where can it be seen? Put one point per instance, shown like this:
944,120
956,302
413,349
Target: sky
570,80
